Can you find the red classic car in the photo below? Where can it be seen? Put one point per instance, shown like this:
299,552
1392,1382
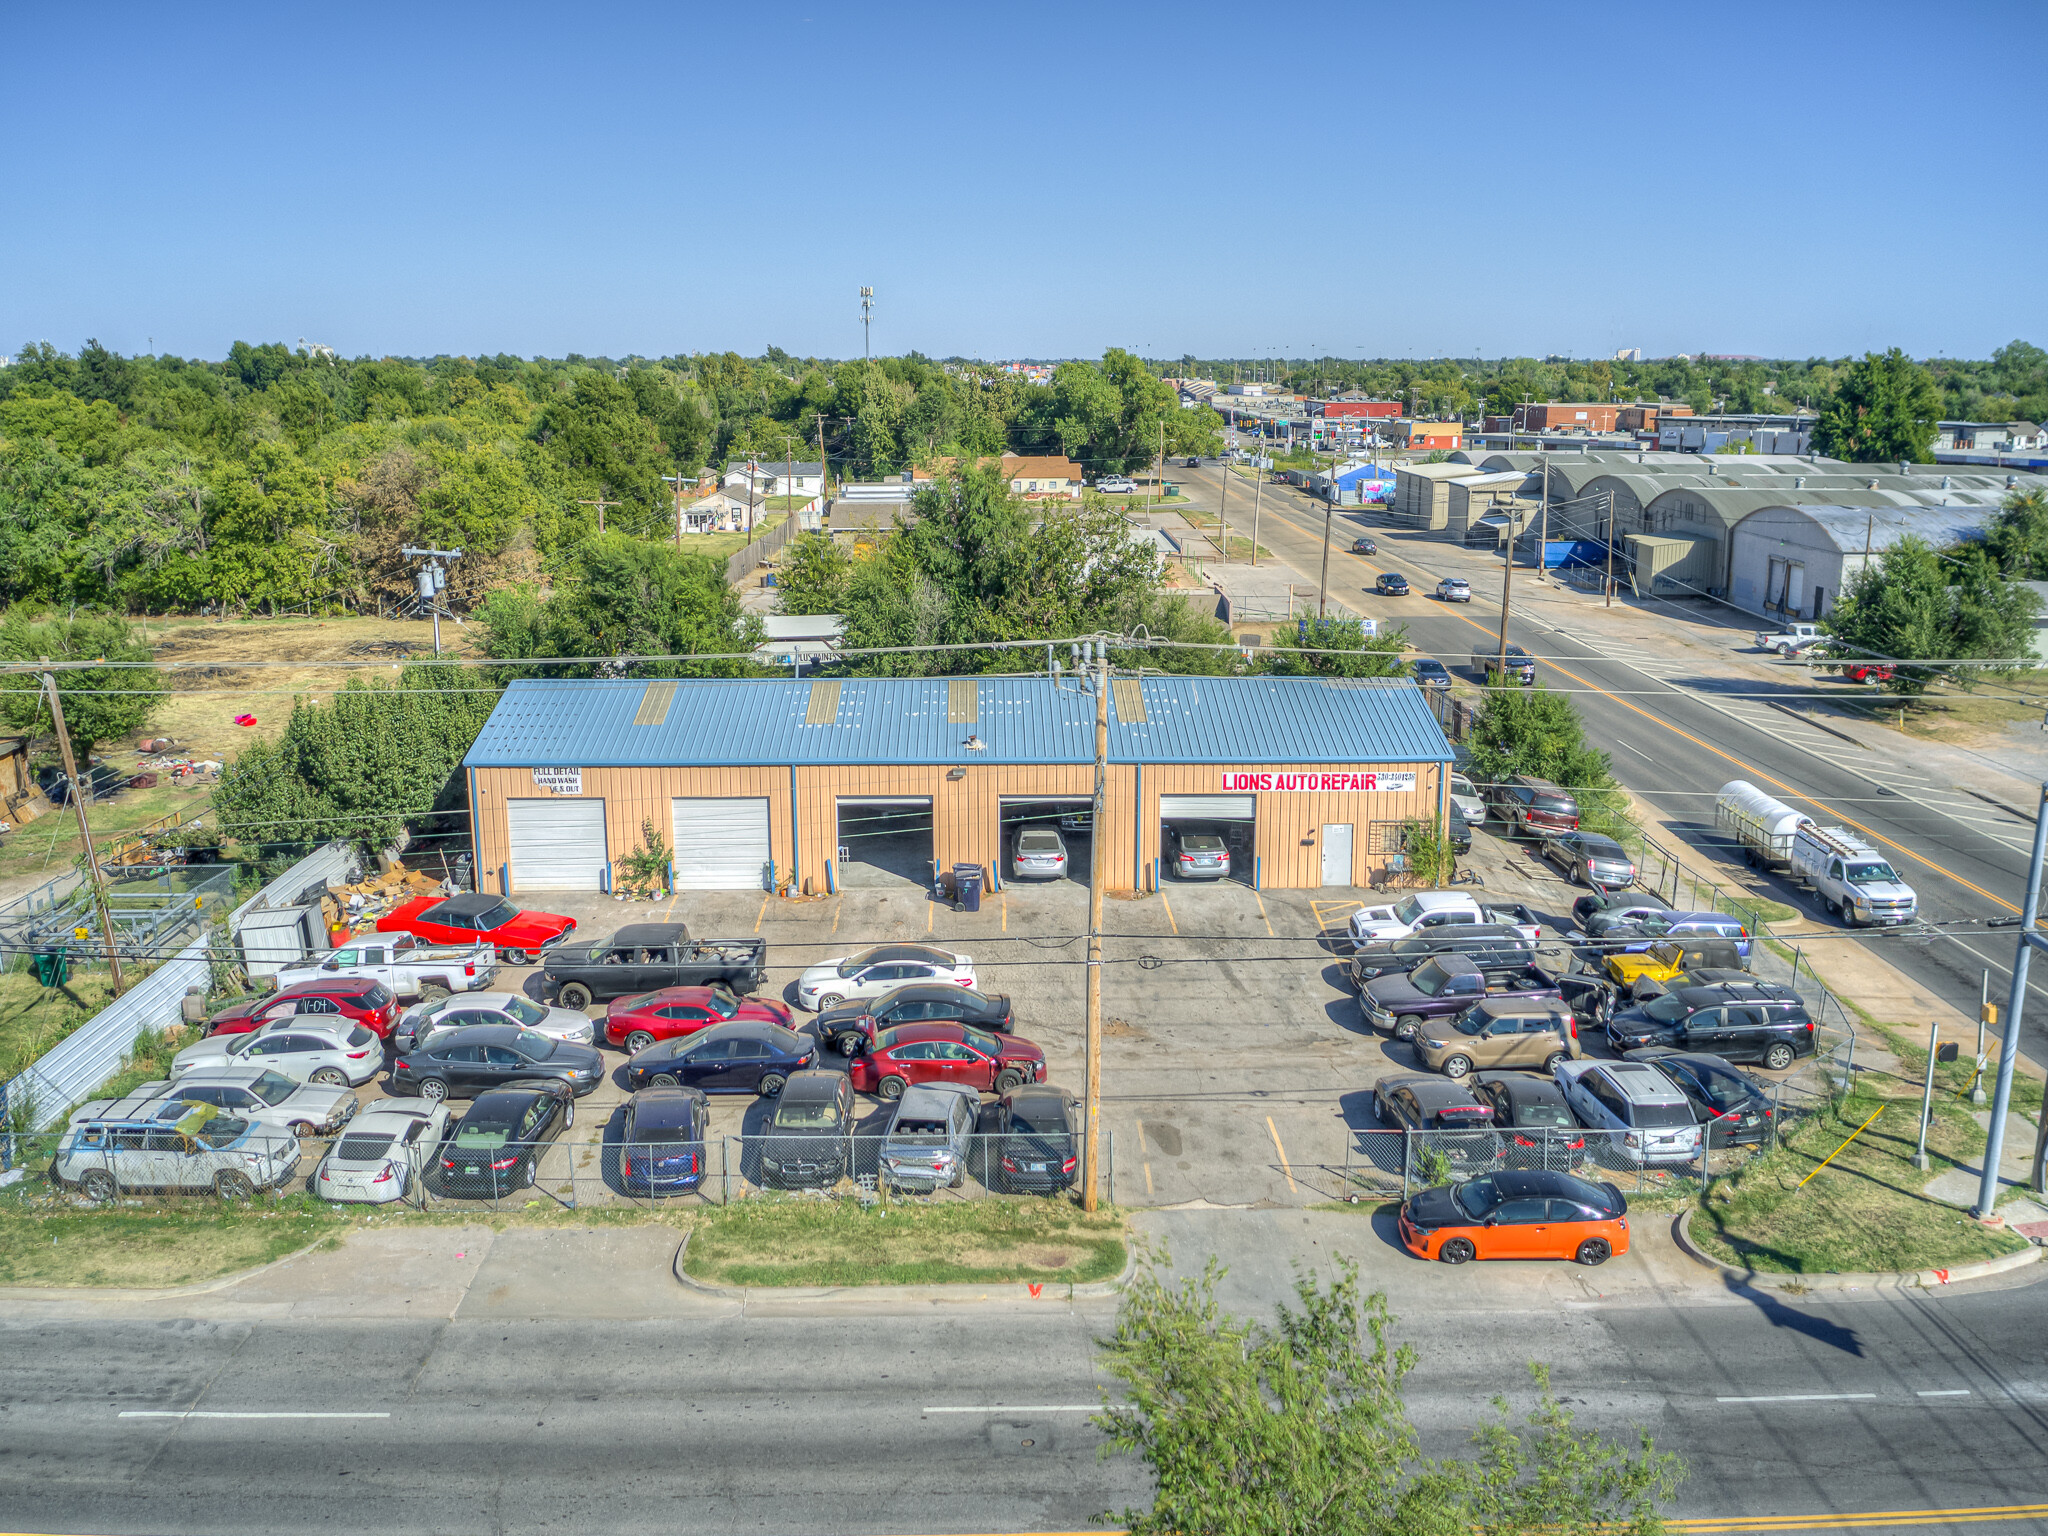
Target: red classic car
945,1053
519,936
360,1000
637,1022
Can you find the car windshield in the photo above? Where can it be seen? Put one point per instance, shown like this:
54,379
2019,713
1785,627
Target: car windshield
1030,1124
723,1003
1473,1020
242,1043
363,1147
1723,1090
1872,874
1601,847
987,1044
806,1114
534,1047
1540,1114
1562,806
1429,978
1668,1009
660,1134
1407,911
496,917
273,1087
1202,842
525,1011
1460,785
909,1128
1476,1197
481,1136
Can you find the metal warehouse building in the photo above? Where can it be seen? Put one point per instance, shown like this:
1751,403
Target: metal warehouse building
880,780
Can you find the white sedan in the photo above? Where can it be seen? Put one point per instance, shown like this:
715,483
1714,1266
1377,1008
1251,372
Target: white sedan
384,1154
420,1024
881,969
331,1052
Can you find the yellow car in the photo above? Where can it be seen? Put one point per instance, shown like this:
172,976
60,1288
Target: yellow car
1666,961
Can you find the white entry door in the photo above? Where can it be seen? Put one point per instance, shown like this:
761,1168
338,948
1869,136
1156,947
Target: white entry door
1337,853
721,845
557,845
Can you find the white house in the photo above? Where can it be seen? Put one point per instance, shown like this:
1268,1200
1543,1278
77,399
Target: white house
776,477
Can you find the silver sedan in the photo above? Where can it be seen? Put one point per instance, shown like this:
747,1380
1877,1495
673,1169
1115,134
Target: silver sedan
384,1154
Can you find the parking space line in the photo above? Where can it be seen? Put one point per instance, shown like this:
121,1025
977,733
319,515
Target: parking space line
1262,915
1004,898
1282,1151
1169,913
931,915
763,913
837,905
1148,1178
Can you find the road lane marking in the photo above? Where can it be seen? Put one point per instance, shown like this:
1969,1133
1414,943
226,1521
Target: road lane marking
209,1414
1639,753
1805,1397
841,902
761,914
1025,1408
1283,1153
1148,1177
1262,915
1709,1525
1952,1392
1169,913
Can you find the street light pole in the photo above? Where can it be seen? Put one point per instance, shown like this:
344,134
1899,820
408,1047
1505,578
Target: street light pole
1096,874
2031,938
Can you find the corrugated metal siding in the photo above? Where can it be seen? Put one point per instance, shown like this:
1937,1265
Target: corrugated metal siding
577,723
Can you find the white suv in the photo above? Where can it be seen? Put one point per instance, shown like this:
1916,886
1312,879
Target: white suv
332,1053
1650,1121
202,1149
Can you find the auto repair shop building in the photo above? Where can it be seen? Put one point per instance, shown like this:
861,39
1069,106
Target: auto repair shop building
868,781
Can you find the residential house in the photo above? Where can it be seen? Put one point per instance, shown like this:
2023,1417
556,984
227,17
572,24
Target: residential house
1043,476
1988,437
776,477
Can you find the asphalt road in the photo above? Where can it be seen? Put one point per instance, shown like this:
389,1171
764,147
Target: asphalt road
811,1424
1670,746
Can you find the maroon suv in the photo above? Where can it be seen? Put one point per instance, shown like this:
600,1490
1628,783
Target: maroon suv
1530,804
358,999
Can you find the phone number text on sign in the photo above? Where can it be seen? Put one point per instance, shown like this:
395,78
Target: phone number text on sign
1367,783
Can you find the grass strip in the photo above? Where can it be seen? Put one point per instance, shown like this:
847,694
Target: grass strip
173,1244
771,1242
1862,1214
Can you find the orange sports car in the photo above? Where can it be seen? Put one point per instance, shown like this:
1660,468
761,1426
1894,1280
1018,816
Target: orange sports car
1516,1216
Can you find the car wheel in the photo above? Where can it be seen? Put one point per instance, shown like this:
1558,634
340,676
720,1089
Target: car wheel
569,1115
638,1041
1456,1066
1408,1026
771,1084
1778,1057
517,957
98,1186
574,995
847,1044
1457,1250
1007,1079
330,1077
890,1087
664,1080
1594,1250
1834,907
433,1090
304,1129
231,1185
830,1001
532,1175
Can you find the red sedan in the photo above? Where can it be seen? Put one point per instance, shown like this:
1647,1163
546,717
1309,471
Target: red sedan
471,919
945,1053
358,999
637,1022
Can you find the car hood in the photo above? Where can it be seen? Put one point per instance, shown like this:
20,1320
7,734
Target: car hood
844,1015
1016,1048
1885,890
822,976
1390,991
564,1022
1633,1021
241,1010
532,929
1436,1208
207,1055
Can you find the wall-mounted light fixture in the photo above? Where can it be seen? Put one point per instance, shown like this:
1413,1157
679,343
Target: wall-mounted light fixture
954,775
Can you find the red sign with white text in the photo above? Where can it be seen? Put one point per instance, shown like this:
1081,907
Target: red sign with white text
1355,782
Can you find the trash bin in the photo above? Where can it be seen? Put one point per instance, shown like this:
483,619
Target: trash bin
52,965
967,880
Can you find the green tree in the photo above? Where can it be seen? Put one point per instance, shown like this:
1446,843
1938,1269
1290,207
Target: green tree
1914,603
813,576
1884,410
1537,731
2018,538
100,702
1300,1429
1307,650
622,598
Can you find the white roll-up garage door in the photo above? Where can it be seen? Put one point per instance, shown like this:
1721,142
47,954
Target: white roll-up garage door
557,845
721,845
1208,807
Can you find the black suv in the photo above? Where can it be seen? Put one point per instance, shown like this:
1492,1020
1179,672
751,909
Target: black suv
1490,945
1529,804
1760,1021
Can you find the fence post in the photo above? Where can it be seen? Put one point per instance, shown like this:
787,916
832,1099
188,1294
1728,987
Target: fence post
1109,1169
725,1170
1407,1143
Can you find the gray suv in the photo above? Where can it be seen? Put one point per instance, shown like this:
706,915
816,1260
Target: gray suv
928,1137
203,1149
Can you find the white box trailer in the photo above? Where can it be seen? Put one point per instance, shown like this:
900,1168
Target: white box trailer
1762,827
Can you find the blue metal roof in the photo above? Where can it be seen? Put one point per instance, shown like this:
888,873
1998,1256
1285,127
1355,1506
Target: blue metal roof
717,722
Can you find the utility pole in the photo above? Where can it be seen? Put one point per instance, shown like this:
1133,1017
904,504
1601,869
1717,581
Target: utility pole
1222,501
600,503
678,478
1096,871
2031,938
1610,549
1329,516
1507,586
79,791
1258,489
1543,539
1927,1094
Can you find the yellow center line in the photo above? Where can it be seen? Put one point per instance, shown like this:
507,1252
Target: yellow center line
761,914
1169,913
1148,1178
1876,1520
1747,768
1262,916
1281,1150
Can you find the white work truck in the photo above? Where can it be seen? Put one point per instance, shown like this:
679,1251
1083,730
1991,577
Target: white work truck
1428,911
1852,879
411,969
1792,640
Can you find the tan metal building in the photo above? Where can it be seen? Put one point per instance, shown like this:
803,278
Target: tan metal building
810,786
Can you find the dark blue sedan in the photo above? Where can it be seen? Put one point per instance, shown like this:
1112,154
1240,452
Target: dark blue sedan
746,1056
662,1141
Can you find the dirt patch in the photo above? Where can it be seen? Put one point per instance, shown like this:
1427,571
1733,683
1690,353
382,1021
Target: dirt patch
1119,1029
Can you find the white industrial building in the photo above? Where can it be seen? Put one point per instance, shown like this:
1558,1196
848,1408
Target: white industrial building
1791,562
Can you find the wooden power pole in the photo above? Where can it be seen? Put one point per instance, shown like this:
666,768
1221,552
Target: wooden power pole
92,858
1090,1180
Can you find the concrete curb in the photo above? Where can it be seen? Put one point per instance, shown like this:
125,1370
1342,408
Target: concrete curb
1924,1279
1008,1290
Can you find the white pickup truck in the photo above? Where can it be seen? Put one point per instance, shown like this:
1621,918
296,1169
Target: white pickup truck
1853,880
1791,640
1427,911
412,970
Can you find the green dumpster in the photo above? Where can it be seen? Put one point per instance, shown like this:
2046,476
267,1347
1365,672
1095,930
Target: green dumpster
52,965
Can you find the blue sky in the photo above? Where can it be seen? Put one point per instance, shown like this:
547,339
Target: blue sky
1042,180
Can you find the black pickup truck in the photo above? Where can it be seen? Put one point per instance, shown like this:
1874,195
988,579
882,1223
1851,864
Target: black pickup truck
1446,985
645,957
